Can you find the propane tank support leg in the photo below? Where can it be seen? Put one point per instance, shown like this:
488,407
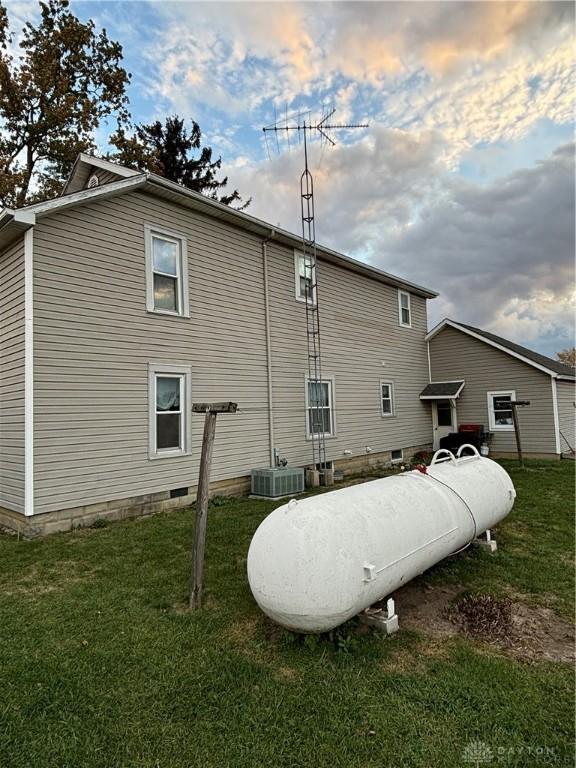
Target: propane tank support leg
487,542
386,620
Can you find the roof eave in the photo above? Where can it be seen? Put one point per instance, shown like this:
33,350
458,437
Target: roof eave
438,397
85,159
86,195
251,223
220,211
450,323
13,224
438,327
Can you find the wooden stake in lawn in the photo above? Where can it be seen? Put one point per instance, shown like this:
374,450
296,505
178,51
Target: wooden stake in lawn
211,410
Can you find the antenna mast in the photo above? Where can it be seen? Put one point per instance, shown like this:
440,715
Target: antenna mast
318,398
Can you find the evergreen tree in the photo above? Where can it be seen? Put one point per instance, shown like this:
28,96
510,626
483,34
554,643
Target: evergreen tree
166,149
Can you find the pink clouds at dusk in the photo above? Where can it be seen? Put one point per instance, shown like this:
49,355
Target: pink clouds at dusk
464,179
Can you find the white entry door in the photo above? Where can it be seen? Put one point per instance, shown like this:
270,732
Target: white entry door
443,419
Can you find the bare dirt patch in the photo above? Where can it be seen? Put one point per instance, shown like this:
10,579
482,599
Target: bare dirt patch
243,631
287,674
534,633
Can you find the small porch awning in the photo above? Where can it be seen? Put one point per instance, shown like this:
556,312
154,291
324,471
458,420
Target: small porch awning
442,390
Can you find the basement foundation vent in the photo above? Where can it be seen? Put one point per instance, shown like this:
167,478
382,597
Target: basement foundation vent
175,492
277,481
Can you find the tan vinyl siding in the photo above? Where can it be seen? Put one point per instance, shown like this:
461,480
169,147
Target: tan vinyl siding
94,340
455,355
12,377
106,177
566,397
362,343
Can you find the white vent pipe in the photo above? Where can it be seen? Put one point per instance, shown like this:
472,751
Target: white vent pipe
316,562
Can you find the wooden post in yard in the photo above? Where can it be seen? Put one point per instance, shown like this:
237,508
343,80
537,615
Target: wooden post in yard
211,410
518,404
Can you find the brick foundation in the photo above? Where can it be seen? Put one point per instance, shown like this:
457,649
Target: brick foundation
118,509
355,464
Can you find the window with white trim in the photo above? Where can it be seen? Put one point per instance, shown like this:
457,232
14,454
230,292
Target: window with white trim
170,410
305,276
166,272
387,407
320,407
404,309
500,410
396,455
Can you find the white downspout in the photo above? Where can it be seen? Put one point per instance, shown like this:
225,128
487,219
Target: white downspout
29,372
432,402
268,346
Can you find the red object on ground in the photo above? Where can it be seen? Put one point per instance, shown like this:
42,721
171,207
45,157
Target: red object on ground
422,468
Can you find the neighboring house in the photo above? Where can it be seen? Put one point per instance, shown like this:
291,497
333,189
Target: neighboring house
476,374
129,297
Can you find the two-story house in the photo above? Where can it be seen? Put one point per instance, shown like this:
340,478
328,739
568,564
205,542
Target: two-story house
129,297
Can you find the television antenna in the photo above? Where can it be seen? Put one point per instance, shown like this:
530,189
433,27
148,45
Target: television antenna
318,398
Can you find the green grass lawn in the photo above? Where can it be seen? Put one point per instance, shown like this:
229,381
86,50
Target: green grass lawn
100,666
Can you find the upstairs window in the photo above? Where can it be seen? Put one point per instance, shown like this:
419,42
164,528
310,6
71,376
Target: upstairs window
169,410
387,398
320,407
500,410
404,309
305,276
167,279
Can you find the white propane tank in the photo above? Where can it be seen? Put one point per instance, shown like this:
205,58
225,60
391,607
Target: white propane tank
316,562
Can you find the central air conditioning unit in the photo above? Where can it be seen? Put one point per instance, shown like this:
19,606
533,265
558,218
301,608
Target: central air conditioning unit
277,481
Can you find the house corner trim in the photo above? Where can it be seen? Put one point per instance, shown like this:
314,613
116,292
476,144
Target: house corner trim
29,372
556,417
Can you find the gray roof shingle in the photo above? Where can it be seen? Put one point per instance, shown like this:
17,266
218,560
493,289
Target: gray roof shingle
440,389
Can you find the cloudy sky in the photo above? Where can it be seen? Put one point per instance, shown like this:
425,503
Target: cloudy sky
463,181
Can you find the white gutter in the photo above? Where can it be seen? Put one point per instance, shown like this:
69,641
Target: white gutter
268,347
8,215
218,210
258,226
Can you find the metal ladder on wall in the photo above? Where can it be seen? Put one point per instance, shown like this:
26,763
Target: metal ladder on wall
316,405
315,399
